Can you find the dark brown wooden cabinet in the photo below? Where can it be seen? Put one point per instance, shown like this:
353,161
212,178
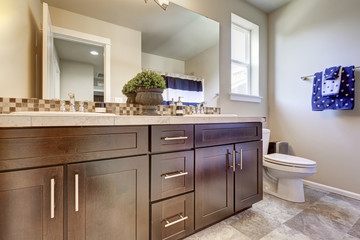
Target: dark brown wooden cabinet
171,174
106,196
173,218
228,178
109,199
248,174
171,138
214,185
106,171
31,204
226,133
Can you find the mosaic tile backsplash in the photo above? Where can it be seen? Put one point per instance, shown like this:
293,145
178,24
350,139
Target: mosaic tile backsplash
8,105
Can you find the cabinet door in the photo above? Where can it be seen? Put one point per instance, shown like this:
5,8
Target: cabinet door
31,204
214,181
109,199
248,174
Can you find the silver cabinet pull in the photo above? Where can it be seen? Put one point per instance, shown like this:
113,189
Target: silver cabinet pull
175,138
233,166
179,174
52,198
76,192
168,224
241,158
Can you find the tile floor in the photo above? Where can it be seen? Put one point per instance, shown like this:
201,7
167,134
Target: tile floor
324,216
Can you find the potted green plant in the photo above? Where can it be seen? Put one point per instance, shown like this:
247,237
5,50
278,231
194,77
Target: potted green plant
149,88
129,90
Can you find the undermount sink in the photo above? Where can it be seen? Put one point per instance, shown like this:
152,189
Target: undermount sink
60,114
211,115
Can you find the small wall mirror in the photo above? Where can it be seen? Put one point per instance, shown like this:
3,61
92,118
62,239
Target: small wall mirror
74,62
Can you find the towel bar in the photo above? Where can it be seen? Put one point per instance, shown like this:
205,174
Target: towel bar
310,76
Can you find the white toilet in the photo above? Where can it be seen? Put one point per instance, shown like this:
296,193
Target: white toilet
283,174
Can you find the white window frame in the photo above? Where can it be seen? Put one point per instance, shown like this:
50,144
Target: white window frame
253,67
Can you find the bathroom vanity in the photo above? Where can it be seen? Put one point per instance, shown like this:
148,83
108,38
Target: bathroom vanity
134,177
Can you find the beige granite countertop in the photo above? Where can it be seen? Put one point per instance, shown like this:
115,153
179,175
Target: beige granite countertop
9,120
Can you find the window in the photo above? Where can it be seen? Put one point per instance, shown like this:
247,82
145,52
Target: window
240,60
244,60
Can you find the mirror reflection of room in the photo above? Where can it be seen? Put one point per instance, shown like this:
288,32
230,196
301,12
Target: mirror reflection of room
79,68
180,43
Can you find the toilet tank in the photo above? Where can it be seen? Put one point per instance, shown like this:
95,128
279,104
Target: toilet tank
266,139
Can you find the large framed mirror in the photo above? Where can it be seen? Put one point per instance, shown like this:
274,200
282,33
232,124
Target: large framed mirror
142,35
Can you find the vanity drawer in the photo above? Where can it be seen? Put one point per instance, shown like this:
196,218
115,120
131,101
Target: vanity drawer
31,147
173,218
171,174
171,138
225,133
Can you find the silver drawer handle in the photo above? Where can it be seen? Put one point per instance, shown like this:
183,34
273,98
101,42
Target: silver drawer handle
168,224
233,166
76,192
175,138
179,174
52,198
241,159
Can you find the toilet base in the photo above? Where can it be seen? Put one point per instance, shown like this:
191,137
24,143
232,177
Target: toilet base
290,189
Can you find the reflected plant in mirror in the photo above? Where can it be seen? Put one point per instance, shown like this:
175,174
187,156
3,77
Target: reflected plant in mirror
129,90
180,43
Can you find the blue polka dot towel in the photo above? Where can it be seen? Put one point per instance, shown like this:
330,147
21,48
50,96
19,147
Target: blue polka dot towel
343,100
331,81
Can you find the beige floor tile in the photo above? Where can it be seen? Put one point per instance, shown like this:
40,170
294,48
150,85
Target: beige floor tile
255,223
323,216
282,209
285,233
352,201
355,230
220,231
316,226
349,237
312,195
337,209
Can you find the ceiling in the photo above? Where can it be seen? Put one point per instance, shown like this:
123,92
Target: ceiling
175,33
80,52
268,5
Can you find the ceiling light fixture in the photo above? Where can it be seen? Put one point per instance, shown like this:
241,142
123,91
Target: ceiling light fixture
162,3
95,53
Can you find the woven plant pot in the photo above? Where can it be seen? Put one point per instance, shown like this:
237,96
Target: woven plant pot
149,99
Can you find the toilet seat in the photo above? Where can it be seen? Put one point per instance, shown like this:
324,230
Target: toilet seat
289,161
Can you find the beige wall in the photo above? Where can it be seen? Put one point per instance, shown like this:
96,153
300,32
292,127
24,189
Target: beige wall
19,25
205,65
125,44
162,64
221,11
307,36
76,78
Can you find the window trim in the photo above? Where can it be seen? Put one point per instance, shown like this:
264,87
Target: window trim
245,98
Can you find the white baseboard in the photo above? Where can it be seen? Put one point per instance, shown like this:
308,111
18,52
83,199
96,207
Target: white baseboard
331,189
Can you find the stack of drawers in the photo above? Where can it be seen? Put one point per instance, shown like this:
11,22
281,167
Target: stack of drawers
172,181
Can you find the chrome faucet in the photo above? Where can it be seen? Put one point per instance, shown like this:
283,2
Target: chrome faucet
72,102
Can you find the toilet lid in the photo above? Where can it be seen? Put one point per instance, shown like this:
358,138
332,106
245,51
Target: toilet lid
289,160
